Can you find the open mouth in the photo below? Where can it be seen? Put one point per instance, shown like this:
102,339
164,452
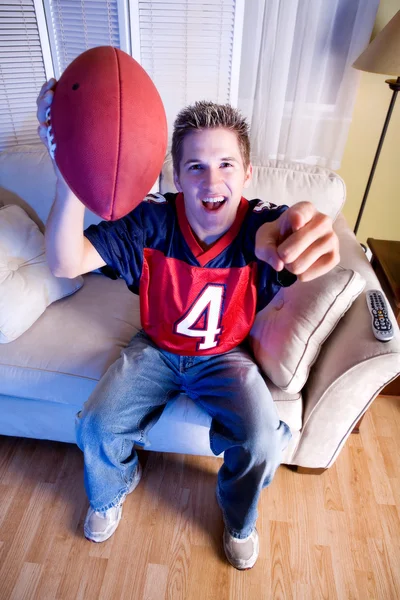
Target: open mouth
214,204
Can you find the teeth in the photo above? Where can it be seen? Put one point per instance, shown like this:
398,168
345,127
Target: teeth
217,199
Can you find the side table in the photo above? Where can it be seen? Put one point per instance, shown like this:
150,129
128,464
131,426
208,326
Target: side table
386,264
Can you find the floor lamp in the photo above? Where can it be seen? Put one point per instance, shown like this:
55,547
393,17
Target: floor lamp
382,56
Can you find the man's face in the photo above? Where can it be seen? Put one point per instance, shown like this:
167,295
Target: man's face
212,178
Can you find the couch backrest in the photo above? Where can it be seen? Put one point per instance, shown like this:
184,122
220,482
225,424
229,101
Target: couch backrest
27,178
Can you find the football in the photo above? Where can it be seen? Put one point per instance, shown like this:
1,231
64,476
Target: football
107,131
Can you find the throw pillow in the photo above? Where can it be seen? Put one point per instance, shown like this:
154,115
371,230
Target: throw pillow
287,334
27,286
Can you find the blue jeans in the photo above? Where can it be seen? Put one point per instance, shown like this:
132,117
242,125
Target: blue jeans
130,398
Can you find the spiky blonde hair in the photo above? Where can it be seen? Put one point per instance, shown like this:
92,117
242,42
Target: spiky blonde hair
208,115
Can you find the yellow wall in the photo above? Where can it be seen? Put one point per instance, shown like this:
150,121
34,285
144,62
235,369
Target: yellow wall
381,217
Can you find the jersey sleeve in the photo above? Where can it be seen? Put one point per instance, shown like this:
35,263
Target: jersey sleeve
120,244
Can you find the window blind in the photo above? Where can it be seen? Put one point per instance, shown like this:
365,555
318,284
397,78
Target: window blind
22,72
77,25
186,47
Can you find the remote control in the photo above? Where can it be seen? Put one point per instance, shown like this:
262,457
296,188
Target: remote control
381,324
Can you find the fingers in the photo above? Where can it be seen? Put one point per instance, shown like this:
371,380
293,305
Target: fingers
43,103
46,86
319,258
44,100
271,257
295,218
265,245
42,133
313,249
323,265
301,240
297,243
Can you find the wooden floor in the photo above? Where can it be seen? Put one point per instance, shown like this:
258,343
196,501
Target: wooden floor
335,535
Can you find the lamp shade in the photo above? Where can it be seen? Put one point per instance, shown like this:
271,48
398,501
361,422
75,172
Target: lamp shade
383,53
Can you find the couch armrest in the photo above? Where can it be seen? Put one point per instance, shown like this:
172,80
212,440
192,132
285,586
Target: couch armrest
351,369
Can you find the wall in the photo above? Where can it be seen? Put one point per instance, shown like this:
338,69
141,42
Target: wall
381,217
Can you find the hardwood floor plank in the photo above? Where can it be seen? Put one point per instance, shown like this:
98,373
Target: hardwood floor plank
313,493
391,456
384,417
324,570
385,585
121,565
391,530
201,478
178,563
358,496
27,581
341,555
9,447
388,406
361,559
303,591
366,585
376,464
279,505
281,575
332,496
18,461
54,566
299,534
91,580
7,495
156,582
247,585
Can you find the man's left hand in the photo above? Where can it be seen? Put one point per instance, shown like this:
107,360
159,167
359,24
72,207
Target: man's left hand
302,240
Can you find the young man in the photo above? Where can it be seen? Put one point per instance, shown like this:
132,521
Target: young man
203,261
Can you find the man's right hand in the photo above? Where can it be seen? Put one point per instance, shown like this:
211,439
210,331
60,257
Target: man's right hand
69,253
43,102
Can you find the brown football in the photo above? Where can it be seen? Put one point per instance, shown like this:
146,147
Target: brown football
108,130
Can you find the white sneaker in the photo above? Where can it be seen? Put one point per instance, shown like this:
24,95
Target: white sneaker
99,526
242,554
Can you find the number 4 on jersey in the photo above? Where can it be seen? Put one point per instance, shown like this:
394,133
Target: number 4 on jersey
208,303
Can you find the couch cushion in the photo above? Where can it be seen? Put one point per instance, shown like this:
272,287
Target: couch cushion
285,183
35,190
66,351
27,286
288,333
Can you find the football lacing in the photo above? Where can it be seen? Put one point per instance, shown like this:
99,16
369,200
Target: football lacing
50,136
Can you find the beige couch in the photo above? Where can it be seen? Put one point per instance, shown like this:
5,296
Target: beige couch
314,341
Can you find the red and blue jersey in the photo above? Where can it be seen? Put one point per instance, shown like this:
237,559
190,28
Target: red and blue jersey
192,301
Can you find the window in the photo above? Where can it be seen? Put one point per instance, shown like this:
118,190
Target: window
22,72
191,50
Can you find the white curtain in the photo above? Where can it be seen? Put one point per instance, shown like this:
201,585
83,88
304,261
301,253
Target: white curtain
297,87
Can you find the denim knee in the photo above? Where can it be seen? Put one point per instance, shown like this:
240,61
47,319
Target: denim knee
90,426
266,444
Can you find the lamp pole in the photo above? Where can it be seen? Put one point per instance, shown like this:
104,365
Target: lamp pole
395,86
